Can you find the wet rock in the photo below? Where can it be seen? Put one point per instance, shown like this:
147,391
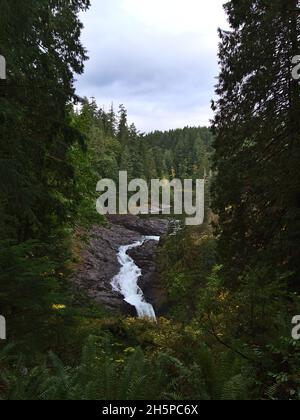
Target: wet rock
129,309
150,282
100,262
148,227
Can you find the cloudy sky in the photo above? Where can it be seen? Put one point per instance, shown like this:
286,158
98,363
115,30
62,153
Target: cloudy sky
157,57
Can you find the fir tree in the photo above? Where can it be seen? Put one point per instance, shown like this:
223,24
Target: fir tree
123,125
257,147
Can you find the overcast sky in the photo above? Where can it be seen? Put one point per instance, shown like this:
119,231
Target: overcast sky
157,57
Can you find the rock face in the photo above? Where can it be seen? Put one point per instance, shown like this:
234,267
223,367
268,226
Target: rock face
148,227
100,263
150,282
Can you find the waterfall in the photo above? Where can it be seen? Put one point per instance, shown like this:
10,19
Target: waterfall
126,282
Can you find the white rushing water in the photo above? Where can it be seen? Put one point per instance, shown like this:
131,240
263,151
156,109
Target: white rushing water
126,282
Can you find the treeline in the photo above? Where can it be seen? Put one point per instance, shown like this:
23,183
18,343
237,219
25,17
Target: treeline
182,153
116,145
113,145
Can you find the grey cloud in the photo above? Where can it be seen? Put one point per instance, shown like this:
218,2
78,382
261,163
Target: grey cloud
163,79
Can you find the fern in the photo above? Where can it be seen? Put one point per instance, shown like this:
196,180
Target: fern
237,388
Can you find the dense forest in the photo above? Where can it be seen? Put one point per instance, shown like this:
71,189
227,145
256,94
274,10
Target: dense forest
231,284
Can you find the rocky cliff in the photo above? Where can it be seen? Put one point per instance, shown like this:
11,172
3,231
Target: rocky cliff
100,264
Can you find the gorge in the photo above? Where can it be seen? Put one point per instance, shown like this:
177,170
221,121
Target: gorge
118,266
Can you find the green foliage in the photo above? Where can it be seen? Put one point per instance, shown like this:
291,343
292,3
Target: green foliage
41,44
99,376
182,153
185,261
256,190
29,287
237,388
248,302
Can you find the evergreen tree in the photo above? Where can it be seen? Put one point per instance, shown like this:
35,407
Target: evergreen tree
257,147
123,125
112,123
41,44
126,162
184,153
151,169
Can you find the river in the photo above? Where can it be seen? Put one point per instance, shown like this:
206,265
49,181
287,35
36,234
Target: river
126,281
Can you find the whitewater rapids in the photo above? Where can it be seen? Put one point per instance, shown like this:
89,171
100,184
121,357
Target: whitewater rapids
126,282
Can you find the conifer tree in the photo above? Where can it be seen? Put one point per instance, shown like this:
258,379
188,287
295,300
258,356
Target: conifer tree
112,122
126,162
41,44
257,148
123,125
